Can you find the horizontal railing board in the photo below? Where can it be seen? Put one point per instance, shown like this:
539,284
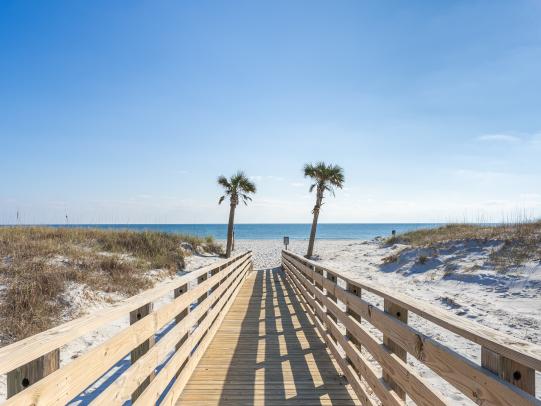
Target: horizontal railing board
152,393
416,386
28,349
522,351
67,382
353,380
376,384
479,384
121,389
181,381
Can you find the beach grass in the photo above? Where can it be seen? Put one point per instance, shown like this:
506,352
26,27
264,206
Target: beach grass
38,264
520,242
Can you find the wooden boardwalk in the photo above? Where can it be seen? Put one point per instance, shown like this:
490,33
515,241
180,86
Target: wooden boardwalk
280,336
267,351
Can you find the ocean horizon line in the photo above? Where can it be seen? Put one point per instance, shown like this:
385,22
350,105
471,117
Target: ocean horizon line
266,231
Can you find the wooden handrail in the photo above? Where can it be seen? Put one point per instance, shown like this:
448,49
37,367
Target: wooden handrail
509,382
216,289
516,349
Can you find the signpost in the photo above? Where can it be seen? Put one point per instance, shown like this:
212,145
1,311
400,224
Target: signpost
286,242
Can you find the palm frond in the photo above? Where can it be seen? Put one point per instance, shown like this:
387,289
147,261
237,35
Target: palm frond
326,177
222,181
238,184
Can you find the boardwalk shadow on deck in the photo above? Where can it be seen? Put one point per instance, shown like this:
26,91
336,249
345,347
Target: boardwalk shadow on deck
278,358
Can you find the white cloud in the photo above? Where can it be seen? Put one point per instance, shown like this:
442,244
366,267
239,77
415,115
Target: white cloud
276,178
263,178
527,139
499,138
483,175
298,184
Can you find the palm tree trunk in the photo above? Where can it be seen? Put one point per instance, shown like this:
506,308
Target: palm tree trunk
314,228
230,231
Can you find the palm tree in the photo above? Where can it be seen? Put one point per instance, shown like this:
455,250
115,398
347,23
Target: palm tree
238,186
326,178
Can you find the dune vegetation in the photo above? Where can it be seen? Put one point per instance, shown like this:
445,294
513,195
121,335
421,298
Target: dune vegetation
38,264
519,242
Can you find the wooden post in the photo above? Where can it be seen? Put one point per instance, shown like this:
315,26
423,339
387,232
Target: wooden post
511,371
178,292
142,349
212,273
353,289
401,314
332,277
318,285
200,280
21,378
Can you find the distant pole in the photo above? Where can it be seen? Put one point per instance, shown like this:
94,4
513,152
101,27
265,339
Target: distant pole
394,232
233,242
286,242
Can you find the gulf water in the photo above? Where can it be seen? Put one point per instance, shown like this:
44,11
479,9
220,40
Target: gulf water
354,231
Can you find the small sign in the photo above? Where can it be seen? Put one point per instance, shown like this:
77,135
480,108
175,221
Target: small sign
286,241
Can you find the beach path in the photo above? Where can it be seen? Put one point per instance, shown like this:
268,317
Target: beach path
267,351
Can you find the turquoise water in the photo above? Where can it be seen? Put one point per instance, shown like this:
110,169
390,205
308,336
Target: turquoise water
273,231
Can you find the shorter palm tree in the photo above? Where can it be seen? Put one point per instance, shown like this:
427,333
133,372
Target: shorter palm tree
237,187
326,178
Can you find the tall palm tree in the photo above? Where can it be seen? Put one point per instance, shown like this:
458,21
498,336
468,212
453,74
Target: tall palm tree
326,178
237,187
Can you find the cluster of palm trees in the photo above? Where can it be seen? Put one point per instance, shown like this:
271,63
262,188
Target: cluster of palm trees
326,178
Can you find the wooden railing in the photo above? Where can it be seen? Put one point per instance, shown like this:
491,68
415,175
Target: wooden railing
185,327
505,376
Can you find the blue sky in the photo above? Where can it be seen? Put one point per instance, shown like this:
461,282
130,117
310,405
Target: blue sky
127,111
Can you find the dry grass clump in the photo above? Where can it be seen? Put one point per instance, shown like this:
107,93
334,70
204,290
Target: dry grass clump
391,258
452,232
36,263
520,242
29,303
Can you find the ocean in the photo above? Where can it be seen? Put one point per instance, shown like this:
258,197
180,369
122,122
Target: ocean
273,231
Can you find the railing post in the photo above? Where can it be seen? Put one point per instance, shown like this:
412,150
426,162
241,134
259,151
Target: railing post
318,285
331,277
354,290
401,314
511,371
143,348
179,292
212,273
200,280
21,378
